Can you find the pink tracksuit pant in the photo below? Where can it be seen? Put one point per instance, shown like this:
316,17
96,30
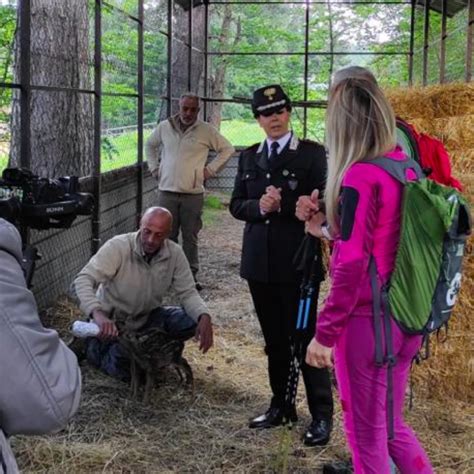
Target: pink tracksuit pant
363,393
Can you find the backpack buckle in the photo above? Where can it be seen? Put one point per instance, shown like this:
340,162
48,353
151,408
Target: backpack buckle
390,360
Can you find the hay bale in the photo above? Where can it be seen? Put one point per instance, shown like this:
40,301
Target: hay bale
457,133
463,166
423,125
449,372
410,103
447,113
437,101
450,100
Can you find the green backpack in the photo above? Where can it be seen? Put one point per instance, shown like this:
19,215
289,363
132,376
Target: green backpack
422,289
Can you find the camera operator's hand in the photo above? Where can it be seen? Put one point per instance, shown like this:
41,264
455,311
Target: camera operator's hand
108,329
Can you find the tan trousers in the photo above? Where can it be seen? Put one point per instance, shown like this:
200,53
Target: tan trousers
187,211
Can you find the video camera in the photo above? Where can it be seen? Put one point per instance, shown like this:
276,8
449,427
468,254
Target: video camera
42,203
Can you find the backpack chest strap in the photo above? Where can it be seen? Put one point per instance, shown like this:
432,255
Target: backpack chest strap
397,168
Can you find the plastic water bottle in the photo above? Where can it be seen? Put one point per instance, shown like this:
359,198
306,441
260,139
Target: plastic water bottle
82,329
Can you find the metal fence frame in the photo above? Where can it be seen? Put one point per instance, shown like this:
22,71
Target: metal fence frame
100,184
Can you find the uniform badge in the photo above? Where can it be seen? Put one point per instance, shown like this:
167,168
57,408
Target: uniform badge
269,93
293,183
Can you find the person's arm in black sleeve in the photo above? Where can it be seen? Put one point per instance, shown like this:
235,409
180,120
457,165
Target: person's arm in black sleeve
241,206
316,180
319,171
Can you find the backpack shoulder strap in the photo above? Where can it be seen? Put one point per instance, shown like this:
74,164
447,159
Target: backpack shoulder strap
397,168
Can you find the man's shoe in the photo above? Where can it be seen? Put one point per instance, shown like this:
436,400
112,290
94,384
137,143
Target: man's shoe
272,417
318,433
338,467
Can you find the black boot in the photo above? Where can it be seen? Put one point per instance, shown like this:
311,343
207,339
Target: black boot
318,433
338,467
274,416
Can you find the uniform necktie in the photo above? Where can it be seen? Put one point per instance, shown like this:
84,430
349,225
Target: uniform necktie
274,151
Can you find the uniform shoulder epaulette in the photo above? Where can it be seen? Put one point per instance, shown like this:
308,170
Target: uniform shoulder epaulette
307,140
251,147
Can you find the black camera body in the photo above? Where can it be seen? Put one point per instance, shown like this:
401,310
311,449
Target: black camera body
42,203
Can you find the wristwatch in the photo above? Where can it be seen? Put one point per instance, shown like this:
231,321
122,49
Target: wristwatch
326,232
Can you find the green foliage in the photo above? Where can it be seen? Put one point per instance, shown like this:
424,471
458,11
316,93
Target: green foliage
3,161
268,28
7,33
109,150
213,202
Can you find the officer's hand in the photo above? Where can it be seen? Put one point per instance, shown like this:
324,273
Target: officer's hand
156,173
319,356
271,200
306,206
207,174
108,329
314,224
203,333
273,192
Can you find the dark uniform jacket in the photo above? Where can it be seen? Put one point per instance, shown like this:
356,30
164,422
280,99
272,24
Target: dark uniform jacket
270,241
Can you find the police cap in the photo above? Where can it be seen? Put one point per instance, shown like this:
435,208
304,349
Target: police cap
269,99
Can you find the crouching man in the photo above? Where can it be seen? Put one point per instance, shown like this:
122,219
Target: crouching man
124,284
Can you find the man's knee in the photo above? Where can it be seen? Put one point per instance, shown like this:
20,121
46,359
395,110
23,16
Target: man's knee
174,321
110,357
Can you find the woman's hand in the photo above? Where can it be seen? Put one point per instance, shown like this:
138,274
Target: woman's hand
307,206
319,356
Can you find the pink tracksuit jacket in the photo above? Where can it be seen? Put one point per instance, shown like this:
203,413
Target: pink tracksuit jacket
370,225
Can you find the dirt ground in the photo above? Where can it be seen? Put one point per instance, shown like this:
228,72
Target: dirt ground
206,431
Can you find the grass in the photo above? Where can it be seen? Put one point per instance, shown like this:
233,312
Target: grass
213,206
121,150
241,133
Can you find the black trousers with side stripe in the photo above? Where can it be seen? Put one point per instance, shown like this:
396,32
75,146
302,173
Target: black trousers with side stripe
276,305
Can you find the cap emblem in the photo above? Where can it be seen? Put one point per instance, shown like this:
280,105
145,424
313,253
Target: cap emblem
269,93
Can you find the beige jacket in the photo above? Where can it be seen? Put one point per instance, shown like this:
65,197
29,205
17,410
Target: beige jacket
184,155
118,280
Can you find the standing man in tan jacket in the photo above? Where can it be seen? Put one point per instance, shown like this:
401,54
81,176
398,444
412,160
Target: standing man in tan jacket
177,152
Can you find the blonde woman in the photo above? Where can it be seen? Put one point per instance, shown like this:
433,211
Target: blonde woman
363,204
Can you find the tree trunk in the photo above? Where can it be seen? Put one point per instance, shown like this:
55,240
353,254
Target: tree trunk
179,62
61,122
218,80
331,43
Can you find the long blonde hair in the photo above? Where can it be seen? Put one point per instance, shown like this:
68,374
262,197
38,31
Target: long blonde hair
360,124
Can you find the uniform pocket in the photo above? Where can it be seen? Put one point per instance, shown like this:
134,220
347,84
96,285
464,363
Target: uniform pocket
249,175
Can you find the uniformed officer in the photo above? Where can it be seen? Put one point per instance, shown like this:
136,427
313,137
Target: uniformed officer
270,178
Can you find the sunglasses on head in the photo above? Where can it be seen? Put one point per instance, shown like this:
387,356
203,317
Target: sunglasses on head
269,113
